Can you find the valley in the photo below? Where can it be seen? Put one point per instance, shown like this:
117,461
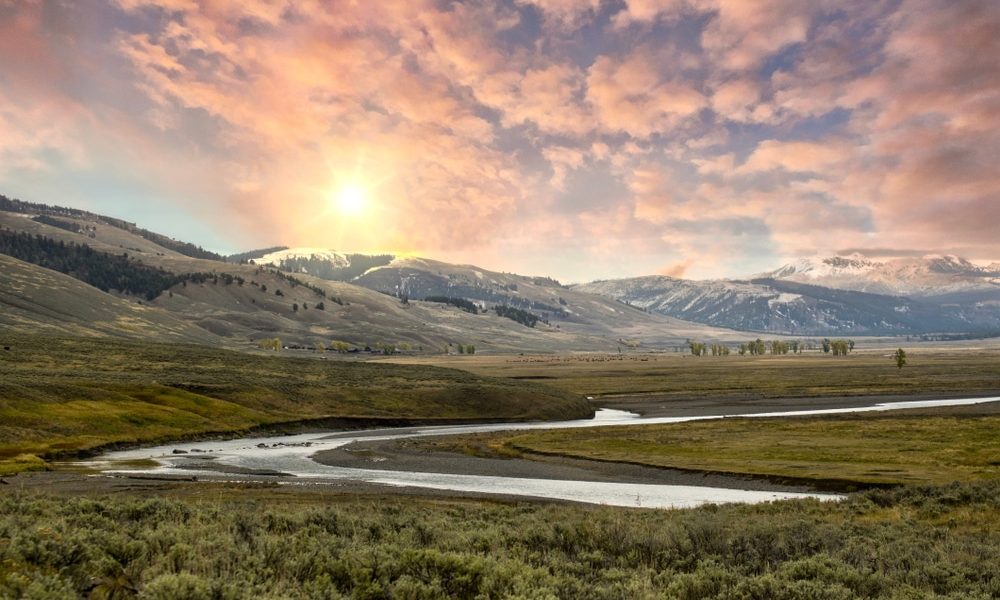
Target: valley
137,368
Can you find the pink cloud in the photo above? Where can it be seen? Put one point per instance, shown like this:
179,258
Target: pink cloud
736,100
745,32
632,95
676,269
805,157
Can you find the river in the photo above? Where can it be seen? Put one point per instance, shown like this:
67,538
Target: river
287,460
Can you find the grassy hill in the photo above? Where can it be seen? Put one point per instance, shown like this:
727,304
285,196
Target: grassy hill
72,394
237,315
40,300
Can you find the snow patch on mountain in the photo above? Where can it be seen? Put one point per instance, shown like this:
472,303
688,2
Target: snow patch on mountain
336,259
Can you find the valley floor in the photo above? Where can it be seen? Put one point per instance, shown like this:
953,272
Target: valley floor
71,533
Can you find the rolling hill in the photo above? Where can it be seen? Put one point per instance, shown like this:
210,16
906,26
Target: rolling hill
308,297
43,301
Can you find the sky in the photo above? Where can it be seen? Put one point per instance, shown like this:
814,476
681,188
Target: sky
580,139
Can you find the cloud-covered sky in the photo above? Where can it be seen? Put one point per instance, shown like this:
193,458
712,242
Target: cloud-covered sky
576,138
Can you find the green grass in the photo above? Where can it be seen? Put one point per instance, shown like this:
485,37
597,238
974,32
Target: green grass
680,376
66,395
239,543
861,449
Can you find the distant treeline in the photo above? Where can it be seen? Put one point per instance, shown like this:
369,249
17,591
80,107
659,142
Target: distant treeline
461,303
521,316
295,281
99,269
67,225
20,206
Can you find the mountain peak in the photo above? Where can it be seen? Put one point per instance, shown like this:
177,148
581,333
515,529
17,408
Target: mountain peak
818,267
930,275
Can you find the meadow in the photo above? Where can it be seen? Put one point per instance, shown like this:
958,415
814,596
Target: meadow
681,376
63,396
839,451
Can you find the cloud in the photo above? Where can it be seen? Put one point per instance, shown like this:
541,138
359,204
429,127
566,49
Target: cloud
730,133
745,32
633,96
876,252
799,157
564,13
676,269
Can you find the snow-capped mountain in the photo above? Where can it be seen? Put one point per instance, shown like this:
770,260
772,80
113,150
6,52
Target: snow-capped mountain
834,295
816,296
776,306
928,276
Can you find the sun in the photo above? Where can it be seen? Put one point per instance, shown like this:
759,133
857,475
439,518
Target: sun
351,199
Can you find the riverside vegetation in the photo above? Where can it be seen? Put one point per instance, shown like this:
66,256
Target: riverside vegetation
64,395
903,543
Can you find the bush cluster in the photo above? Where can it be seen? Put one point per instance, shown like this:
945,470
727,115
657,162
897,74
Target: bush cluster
516,314
904,543
466,305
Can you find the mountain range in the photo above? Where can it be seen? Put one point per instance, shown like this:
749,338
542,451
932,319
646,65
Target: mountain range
130,281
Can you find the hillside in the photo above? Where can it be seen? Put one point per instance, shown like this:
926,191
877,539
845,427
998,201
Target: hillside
40,300
561,306
238,303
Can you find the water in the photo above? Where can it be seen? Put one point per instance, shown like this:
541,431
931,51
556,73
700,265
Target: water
290,455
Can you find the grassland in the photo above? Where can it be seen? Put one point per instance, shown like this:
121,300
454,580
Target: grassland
68,395
682,376
238,542
845,450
